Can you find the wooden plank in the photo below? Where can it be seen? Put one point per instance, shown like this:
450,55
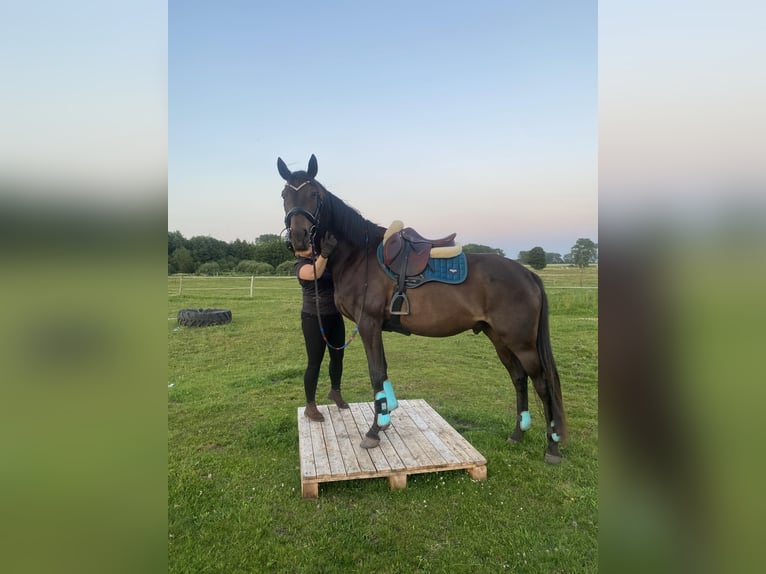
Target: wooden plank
347,439
387,448
366,465
321,461
363,420
451,435
431,436
337,467
396,481
399,443
420,449
310,490
460,448
478,472
308,470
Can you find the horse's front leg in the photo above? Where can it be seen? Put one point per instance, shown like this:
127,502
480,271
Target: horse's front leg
383,392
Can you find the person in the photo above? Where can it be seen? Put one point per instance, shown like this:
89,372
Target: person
332,322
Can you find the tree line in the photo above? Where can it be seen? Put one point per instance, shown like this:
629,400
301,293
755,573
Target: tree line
583,253
269,255
204,255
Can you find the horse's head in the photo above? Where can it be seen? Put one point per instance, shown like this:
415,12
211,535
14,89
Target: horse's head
303,197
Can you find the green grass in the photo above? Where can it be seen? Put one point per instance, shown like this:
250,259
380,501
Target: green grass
234,495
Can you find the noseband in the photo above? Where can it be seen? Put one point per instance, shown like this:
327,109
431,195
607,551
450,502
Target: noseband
312,217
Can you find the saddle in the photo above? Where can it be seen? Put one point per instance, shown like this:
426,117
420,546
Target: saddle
406,254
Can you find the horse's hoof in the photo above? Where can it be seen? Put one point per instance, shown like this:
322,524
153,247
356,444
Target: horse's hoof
368,442
552,458
516,437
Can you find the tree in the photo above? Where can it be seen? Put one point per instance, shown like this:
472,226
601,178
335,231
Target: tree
247,266
261,268
523,257
227,263
204,248
209,268
285,268
584,252
551,258
240,250
476,248
537,258
181,261
266,238
273,251
175,240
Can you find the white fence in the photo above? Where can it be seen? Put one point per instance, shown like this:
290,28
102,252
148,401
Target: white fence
180,284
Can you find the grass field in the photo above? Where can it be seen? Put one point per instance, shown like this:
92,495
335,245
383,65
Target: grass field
234,496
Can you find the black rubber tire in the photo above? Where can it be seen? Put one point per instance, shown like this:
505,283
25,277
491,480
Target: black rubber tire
203,317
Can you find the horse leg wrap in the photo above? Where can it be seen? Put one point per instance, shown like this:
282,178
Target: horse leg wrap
554,435
382,414
525,422
388,388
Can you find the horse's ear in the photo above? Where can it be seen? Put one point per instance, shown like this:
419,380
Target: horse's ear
283,171
313,168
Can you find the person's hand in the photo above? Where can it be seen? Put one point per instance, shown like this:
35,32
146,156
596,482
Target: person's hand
305,253
328,244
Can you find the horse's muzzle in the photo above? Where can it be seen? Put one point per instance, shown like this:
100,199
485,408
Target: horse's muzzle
300,238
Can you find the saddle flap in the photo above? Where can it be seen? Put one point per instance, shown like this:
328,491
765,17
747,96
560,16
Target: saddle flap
418,259
392,248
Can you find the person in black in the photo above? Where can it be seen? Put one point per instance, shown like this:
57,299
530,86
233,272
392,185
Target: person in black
332,322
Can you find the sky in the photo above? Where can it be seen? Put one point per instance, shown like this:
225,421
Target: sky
477,118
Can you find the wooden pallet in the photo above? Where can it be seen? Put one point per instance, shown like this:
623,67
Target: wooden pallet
418,440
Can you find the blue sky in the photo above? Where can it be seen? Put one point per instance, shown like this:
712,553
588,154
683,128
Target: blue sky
479,119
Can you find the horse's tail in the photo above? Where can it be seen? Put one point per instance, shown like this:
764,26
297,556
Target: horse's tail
550,373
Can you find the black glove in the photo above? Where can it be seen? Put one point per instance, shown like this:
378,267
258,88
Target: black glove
328,243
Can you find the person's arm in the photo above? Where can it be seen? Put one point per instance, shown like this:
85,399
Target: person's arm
327,244
306,272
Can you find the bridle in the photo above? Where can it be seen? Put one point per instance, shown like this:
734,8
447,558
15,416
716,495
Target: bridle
312,217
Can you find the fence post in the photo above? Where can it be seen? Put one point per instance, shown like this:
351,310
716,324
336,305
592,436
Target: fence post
180,284
251,285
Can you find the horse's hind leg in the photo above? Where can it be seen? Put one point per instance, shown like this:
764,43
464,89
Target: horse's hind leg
523,418
552,452
520,382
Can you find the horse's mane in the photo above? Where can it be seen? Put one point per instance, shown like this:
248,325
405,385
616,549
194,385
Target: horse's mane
348,224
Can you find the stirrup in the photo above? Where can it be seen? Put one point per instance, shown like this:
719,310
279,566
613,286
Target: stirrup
404,300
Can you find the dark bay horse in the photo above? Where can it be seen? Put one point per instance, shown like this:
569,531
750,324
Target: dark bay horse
500,298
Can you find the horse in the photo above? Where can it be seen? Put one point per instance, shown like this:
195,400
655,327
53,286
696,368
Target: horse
500,298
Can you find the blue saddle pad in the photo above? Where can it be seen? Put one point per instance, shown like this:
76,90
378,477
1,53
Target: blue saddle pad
452,270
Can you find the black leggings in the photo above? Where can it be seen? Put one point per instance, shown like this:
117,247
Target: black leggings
335,331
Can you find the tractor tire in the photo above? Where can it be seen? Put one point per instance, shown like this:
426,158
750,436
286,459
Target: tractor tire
203,317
